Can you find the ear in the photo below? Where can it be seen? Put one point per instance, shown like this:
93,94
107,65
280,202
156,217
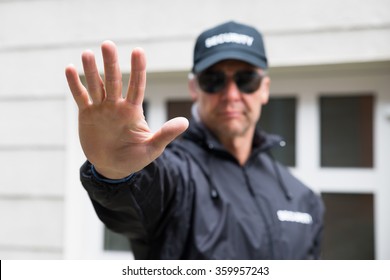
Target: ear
264,90
193,89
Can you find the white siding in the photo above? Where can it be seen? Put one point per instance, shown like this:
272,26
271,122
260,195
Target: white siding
32,122
31,225
32,172
32,160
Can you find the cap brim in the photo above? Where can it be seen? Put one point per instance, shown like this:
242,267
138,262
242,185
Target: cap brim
224,55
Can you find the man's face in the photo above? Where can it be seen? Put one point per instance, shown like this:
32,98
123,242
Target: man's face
230,112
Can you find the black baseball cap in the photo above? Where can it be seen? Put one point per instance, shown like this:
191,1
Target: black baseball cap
230,40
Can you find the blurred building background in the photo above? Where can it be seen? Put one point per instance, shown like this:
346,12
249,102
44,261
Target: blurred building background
330,71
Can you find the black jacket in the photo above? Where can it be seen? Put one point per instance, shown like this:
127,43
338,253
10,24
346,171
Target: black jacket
196,202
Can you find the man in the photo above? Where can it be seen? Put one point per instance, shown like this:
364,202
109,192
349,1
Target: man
215,193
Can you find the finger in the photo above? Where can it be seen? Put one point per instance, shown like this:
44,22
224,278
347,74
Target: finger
137,83
79,92
112,73
94,81
168,132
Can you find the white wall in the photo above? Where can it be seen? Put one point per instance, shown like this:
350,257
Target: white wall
39,38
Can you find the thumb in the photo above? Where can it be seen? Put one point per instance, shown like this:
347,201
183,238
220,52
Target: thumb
168,132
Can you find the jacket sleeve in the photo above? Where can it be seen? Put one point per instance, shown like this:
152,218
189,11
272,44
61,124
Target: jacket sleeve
134,206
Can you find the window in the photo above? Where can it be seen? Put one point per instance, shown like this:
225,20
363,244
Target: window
115,242
349,226
279,117
179,108
346,131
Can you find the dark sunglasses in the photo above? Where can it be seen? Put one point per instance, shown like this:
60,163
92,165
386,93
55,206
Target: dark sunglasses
247,81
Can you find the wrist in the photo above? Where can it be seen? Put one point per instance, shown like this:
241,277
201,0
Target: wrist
109,177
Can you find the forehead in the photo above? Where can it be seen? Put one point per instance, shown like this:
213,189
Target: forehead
232,64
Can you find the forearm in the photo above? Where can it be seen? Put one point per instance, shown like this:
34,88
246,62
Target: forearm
134,202
113,202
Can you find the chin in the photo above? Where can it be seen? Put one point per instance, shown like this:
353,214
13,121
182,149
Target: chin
233,130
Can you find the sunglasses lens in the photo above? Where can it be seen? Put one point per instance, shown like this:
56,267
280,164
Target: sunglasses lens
248,81
215,81
211,81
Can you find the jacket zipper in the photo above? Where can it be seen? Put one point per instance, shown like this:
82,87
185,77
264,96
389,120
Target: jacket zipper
261,211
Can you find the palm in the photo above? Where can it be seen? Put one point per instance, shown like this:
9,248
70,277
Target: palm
113,132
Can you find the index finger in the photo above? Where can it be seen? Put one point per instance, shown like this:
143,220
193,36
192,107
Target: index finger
137,83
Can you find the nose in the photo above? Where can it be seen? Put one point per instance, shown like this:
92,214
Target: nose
231,91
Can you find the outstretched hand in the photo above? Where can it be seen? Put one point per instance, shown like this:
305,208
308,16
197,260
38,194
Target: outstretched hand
113,132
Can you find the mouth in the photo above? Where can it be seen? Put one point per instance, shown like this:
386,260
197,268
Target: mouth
230,114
